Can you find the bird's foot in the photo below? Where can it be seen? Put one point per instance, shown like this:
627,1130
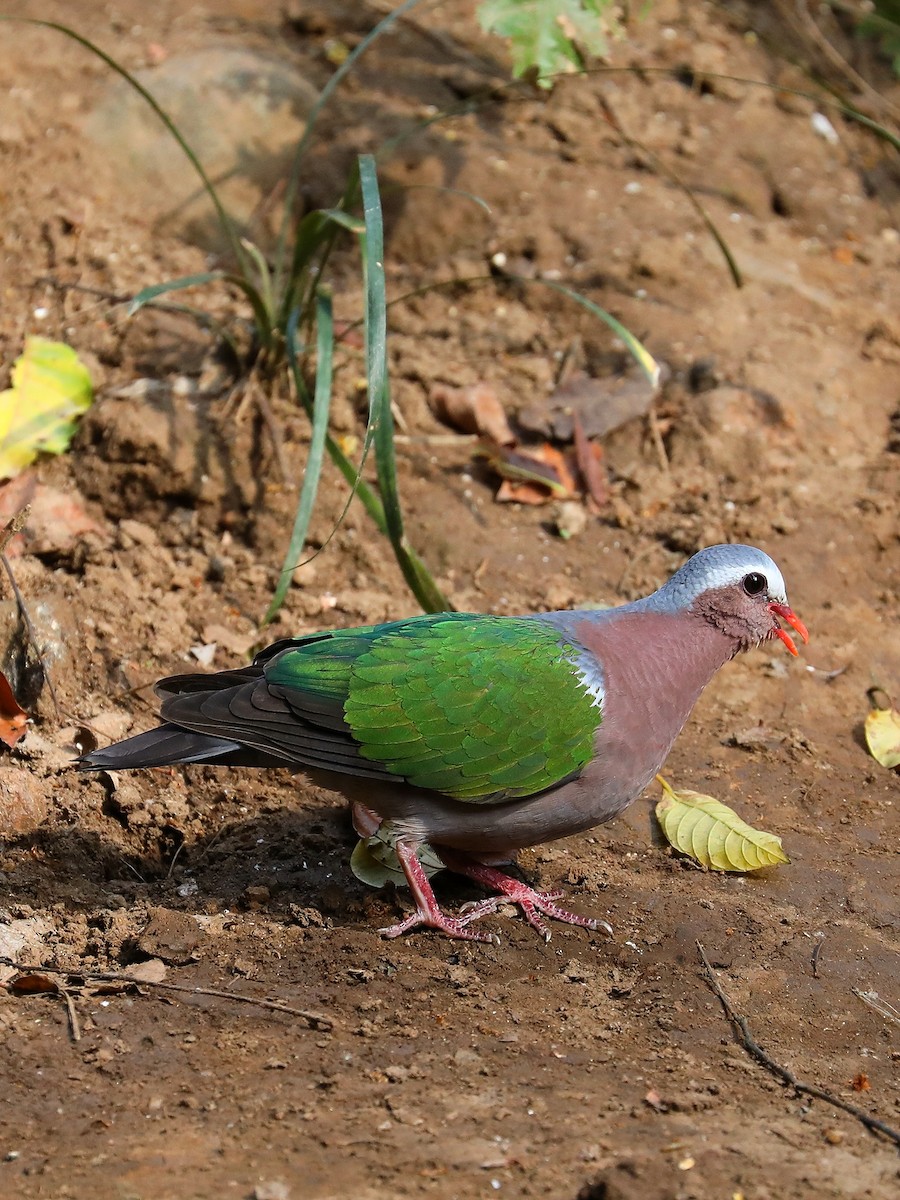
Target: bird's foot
428,912
534,904
433,918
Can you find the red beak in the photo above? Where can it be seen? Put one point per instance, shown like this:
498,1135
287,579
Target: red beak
788,614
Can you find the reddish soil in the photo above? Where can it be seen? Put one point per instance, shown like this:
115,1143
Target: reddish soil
590,1066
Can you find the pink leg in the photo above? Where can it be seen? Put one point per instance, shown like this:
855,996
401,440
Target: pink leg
428,911
531,902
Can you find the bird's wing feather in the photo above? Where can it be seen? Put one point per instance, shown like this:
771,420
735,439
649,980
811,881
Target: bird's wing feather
479,708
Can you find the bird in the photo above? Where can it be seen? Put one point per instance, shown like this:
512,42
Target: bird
459,739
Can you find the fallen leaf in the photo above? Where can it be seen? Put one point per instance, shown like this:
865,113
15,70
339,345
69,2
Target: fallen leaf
375,862
531,476
883,736
589,456
473,409
13,719
709,831
32,985
603,405
50,389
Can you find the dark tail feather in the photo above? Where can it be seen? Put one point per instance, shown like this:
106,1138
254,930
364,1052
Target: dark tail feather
165,747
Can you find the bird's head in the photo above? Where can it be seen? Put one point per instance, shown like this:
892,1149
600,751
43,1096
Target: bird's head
739,589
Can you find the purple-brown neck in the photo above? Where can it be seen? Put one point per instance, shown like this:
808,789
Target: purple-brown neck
655,666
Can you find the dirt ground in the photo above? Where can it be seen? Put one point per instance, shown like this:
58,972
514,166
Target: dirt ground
589,1067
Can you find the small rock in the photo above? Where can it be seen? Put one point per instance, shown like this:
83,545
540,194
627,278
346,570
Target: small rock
571,519
172,936
23,802
271,1189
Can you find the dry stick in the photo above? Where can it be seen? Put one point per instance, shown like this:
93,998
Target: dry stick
756,1051
74,1025
316,1020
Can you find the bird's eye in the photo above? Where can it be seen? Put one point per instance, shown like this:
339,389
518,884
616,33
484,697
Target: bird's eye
754,583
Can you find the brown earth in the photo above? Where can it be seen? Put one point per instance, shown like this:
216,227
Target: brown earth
589,1066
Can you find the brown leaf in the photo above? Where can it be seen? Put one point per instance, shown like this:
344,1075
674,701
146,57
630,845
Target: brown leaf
473,409
603,405
589,456
13,719
32,985
535,476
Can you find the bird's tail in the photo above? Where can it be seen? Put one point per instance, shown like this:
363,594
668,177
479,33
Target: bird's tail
166,746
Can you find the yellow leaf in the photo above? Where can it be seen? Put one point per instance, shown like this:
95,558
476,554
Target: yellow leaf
883,736
50,388
375,862
710,832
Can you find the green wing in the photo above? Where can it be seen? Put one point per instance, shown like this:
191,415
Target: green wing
479,708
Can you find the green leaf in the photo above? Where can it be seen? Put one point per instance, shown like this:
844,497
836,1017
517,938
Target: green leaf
551,35
713,834
313,471
148,294
51,387
381,420
375,862
635,348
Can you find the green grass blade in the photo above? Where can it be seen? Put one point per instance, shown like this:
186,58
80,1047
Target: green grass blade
381,421
636,348
290,196
261,315
313,470
344,219
225,222
148,294
264,290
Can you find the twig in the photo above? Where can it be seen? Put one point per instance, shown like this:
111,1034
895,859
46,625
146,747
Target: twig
880,1005
657,439
74,1025
756,1051
316,1020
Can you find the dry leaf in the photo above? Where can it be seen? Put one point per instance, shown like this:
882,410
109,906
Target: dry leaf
589,456
32,985
533,476
883,736
50,388
602,404
709,831
13,719
473,409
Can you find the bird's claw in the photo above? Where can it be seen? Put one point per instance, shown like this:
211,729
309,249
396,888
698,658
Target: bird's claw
452,926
